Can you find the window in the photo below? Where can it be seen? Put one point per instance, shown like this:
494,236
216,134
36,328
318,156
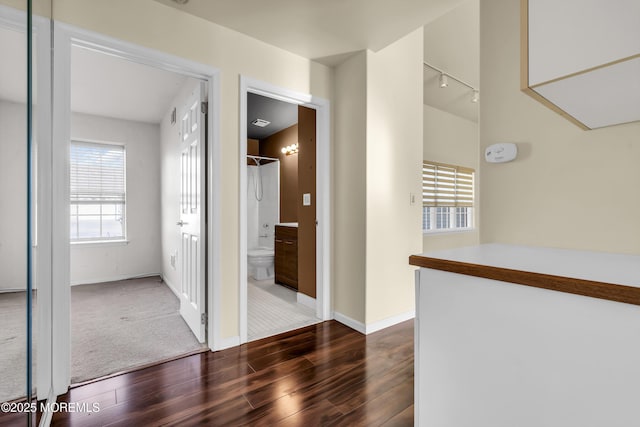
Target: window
97,192
447,197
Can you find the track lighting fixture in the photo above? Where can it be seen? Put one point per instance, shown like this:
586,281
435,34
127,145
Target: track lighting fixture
444,82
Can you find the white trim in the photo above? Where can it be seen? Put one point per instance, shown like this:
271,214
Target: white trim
47,415
66,35
229,342
389,321
114,278
306,300
370,328
175,290
323,193
352,323
92,243
61,106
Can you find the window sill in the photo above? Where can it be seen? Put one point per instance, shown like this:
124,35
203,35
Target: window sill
447,231
92,243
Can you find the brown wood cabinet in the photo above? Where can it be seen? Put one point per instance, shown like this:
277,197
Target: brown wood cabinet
286,256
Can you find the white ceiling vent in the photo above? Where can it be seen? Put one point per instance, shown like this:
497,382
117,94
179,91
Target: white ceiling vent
260,123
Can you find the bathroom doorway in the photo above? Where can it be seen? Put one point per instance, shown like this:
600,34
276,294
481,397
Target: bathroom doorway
280,250
317,210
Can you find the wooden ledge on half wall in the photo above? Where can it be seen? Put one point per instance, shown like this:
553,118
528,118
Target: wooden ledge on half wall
609,276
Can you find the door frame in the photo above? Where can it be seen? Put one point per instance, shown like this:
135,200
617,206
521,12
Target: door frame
66,36
323,192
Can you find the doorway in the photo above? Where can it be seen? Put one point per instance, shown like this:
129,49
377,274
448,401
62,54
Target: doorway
136,171
312,203
180,273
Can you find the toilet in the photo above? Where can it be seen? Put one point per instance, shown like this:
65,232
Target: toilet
260,262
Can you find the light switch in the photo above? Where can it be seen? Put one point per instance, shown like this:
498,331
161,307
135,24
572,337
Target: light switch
306,199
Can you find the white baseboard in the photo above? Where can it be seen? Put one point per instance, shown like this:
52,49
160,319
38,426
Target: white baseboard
10,290
47,415
306,300
389,321
375,326
170,286
229,342
353,324
113,278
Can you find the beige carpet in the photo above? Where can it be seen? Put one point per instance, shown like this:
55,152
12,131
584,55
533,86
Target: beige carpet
118,326
273,309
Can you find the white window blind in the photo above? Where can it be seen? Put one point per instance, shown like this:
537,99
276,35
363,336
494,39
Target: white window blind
447,197
446,185
98,196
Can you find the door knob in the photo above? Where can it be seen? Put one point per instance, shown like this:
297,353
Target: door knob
181,223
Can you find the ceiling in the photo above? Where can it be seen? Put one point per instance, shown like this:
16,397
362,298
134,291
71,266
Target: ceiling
320,30
327,31
101,85
108,86
281,115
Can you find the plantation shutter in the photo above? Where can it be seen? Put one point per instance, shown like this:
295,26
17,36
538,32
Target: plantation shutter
446,185
97,173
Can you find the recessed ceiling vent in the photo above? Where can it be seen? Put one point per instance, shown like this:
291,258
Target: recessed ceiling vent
260,123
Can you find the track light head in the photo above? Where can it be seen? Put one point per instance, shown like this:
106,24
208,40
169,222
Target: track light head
444,80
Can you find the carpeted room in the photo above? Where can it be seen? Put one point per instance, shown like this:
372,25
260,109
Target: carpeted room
116,324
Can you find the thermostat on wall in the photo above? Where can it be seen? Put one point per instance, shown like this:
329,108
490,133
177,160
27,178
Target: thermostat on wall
501,153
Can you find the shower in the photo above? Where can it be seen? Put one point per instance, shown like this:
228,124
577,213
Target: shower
257,182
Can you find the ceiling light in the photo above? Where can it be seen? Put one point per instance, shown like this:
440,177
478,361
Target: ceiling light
181,1
260,123
444,81
475,96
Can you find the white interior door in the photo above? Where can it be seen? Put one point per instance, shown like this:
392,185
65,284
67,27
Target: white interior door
192,229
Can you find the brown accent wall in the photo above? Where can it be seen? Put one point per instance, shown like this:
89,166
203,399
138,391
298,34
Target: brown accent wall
271,147
253,149
307,214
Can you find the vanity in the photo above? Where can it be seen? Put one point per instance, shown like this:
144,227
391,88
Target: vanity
286,255
535,337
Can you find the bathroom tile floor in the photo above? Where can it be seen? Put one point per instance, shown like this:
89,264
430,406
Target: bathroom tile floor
273,309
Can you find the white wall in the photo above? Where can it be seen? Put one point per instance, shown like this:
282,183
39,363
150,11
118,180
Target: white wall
394,171
568,188
92,263
453,140
13,184
151,24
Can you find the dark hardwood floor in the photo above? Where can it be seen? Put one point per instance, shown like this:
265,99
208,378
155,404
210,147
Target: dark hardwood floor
325,374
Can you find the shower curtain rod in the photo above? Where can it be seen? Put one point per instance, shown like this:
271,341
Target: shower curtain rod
262,158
